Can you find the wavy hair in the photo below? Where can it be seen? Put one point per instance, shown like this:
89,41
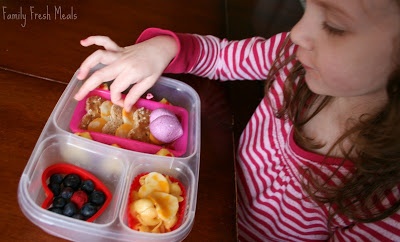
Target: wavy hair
375,150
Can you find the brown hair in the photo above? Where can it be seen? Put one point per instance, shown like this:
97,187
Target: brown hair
375,150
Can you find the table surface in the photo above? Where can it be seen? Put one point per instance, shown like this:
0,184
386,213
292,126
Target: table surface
38,58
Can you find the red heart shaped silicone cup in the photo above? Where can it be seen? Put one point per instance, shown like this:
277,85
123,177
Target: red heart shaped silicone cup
64,168
132,221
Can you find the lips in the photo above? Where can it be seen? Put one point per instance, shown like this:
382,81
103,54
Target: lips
306,66
304,63
303,60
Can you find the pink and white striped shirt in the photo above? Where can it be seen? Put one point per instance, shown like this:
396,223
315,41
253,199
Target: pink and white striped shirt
272,204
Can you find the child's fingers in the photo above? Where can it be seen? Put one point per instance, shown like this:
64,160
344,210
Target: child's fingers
138,90
82,73
99,56
104,41
105,74
121,83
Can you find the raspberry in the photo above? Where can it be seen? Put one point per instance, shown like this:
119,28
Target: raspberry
79,198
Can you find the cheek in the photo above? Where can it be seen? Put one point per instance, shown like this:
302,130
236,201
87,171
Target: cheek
342,78
355,67
334,77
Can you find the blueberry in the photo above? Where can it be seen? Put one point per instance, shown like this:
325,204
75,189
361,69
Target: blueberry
72,180
67,192
59,202
69,209
56,178
88,210
78,216
87,186
56,210
55,188
97,198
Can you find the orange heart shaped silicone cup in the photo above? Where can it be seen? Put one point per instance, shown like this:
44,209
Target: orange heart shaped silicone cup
64,168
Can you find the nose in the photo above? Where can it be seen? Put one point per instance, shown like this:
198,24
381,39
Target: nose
301,34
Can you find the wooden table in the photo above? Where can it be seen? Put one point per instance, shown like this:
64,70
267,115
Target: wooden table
39,56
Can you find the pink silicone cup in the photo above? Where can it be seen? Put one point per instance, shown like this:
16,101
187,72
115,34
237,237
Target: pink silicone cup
64,168
177,148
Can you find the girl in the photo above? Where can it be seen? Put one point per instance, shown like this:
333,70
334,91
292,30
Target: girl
320,158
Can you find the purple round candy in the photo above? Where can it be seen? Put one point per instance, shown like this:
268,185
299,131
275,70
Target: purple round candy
166,128
160,112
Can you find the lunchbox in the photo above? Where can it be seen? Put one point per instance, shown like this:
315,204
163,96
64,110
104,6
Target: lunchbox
115,167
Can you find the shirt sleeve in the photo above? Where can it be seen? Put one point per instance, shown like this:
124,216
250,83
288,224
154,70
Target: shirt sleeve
188,49
215,58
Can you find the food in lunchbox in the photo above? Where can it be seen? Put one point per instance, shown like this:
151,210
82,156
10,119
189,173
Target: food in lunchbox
164,126
159,126
84,135
165,101
164,152
156,203
74,197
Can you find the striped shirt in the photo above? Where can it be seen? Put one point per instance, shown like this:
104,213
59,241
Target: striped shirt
272,203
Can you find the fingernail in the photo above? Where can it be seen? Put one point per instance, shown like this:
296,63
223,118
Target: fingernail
80,75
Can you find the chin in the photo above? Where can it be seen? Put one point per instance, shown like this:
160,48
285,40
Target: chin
316,89
311,85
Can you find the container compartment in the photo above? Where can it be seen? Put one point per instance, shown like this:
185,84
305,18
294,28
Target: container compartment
58,149
80,194
179,171
177,148
179,94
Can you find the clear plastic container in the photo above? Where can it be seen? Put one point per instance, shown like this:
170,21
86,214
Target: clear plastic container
115,167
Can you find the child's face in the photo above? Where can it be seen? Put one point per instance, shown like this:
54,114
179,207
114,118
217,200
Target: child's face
347,46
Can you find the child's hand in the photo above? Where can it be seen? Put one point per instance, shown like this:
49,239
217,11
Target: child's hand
140,64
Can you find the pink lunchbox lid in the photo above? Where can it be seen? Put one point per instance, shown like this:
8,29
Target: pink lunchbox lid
177,148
